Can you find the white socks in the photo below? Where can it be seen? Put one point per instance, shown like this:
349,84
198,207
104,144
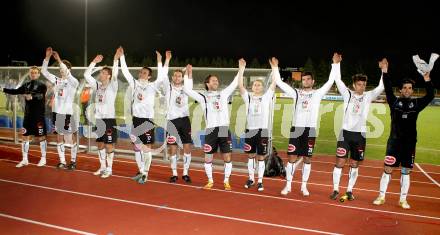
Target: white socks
186,163
228,170
404,186
43,145
73,152
173,161
290,171
251,168
110,161
60,150
336,178
384,181
101,154
307,167
261,168
352,175
208,170
25,150
147,162
139,161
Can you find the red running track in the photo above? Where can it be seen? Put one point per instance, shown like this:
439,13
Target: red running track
49,201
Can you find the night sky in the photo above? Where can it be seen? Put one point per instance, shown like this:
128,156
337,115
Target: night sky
291,31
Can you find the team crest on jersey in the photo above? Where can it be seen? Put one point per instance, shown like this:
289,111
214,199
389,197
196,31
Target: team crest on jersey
171,139
247,147
207,148
400,104
133,138
305,104
140,96
341,152
390,160
60,92
100,98
179,100
291,148
411,105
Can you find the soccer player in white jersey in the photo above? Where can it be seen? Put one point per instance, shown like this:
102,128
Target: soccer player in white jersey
352,139
142,134
178,123
216,112
106,89
257,134
305,117
62,111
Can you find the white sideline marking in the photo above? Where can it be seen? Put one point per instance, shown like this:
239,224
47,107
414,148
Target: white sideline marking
243,175
268,196
45,224
426,174
326,172
167,208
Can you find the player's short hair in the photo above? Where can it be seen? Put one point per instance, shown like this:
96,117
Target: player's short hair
178,71
307,73
68,64
258,80
207,79
34,68
150,71
109,71
407,81
359,77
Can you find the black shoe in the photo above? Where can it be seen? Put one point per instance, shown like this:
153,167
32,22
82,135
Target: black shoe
187,179
61,166
72,166
350,196
173,179
137,176
334,195
260,187
249,183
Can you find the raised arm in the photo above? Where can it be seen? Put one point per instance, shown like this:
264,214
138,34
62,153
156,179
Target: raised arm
282,85
342,88
231,87
274,65
188,86
425,100
52,78
241,63
386,80
162,71
66,71
88,73
334,73
126,73
378,90
115,68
